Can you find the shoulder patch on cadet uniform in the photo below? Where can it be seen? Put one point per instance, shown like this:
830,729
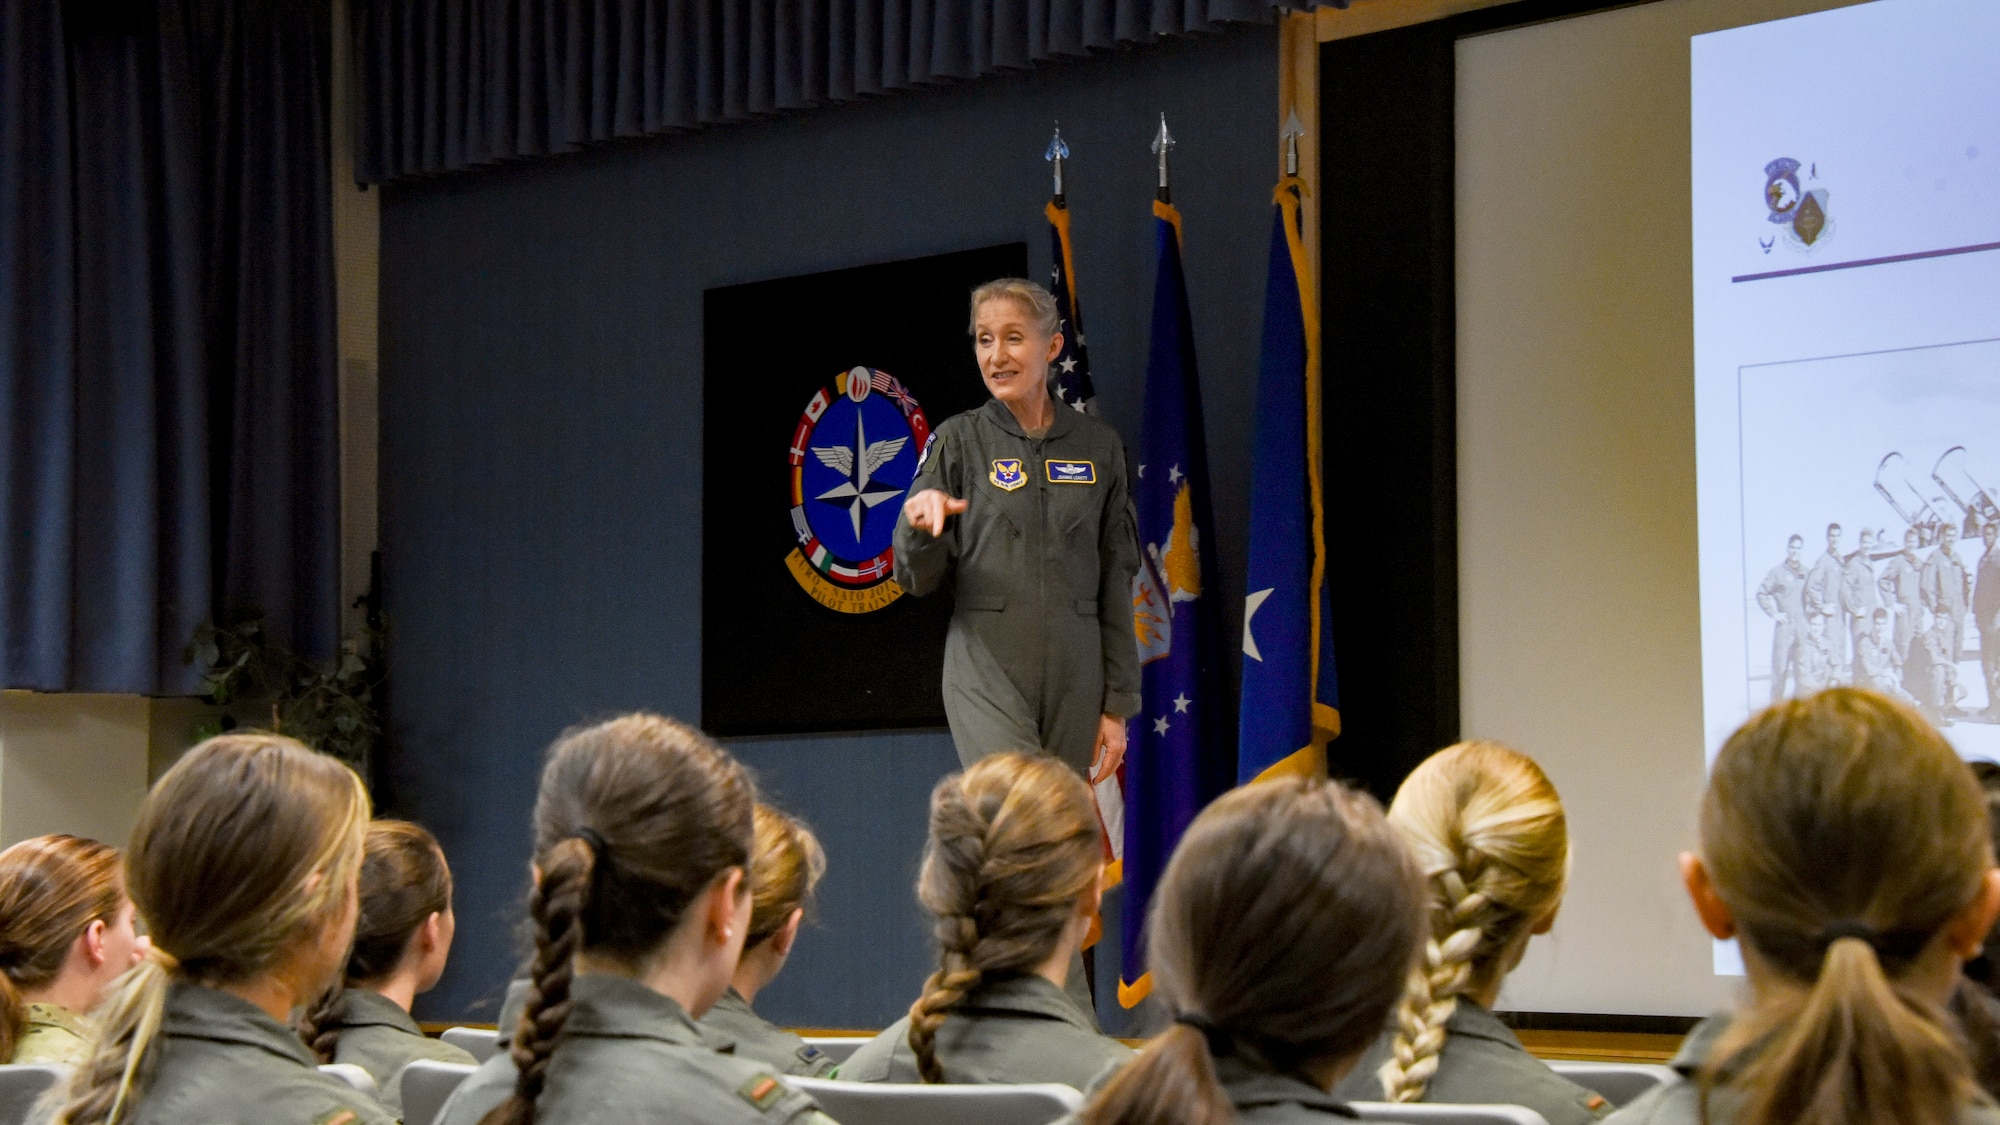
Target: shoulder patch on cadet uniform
1071,472
811,1054
337,1117
1007,474
762,1091
1597,1104
924,454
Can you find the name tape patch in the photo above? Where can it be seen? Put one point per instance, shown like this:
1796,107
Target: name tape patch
1071,472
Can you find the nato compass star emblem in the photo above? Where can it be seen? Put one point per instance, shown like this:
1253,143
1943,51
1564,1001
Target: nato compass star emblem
853,455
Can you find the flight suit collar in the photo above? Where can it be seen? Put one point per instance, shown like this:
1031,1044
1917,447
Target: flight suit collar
57,1016
997,413
360,1007
1249,1087
1700,1042
196,1012
1028,994
609,1006
1472,1018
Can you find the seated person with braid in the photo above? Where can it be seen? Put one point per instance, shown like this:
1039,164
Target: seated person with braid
1012,875
400,946
1489,832
784,867
642,832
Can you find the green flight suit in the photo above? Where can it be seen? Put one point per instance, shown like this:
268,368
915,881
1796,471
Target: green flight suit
1041,564
1017,1029
1483,1061
380,1037
221,1060
1261,1097
628,1056
755,1038
1679,1103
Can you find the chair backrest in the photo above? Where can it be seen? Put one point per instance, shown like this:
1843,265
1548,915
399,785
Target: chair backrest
1620,1083
1439,1113
21,1086
889,1103
837,1047
479,1042
427,1085
354,1076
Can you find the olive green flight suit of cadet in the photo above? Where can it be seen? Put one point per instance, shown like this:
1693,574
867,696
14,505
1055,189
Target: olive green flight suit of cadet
378,1036
1482,1061
1016,1029
630,1056
1041,564
753,1037
1261,1097
221,1060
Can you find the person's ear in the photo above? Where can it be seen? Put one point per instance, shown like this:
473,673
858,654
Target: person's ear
730,893
1055,347
430,935
93,942
1546,923
1096,895
1968,928
1708,905
781,942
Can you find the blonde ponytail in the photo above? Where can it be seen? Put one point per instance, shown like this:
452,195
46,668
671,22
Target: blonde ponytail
1843,834
128,1024
247,847
1489,831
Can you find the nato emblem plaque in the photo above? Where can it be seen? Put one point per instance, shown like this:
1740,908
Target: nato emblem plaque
854,453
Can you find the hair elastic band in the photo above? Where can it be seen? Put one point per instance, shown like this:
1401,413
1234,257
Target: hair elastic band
1218,1039
590,836
1849,928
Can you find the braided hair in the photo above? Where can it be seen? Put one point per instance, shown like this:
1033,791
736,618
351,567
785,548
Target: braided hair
404,881
635,819
1488,830
1013,846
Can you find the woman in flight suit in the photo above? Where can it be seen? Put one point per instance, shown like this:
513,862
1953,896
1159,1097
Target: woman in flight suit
1024,509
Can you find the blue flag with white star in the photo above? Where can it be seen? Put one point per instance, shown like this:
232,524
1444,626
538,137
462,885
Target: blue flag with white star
1289,698
1069,374
1179,757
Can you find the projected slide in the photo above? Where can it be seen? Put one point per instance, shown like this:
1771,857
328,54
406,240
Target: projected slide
1846,207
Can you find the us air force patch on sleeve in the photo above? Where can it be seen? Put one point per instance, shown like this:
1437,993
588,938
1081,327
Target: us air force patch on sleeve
854,454
1071,472
762,1091
1007,474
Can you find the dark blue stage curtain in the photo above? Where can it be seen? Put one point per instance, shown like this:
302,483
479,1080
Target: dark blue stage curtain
166,335
450,84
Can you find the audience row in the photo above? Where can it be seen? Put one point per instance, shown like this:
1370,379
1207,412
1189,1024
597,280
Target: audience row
1312,950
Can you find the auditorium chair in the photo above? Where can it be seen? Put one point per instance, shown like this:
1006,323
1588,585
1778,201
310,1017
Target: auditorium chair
479,1042
890,1103
1620,1083
837,1047
1439,1113
22,1085
354,1076
426,1085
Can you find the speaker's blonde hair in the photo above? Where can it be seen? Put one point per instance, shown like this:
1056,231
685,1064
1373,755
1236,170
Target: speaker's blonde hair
1489,833
1843,833
1038,302
245,848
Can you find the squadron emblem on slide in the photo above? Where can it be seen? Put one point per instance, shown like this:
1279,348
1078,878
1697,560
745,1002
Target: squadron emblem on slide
1797,206
854,453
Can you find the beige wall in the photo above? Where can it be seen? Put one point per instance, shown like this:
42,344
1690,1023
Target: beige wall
1579,629
72,763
